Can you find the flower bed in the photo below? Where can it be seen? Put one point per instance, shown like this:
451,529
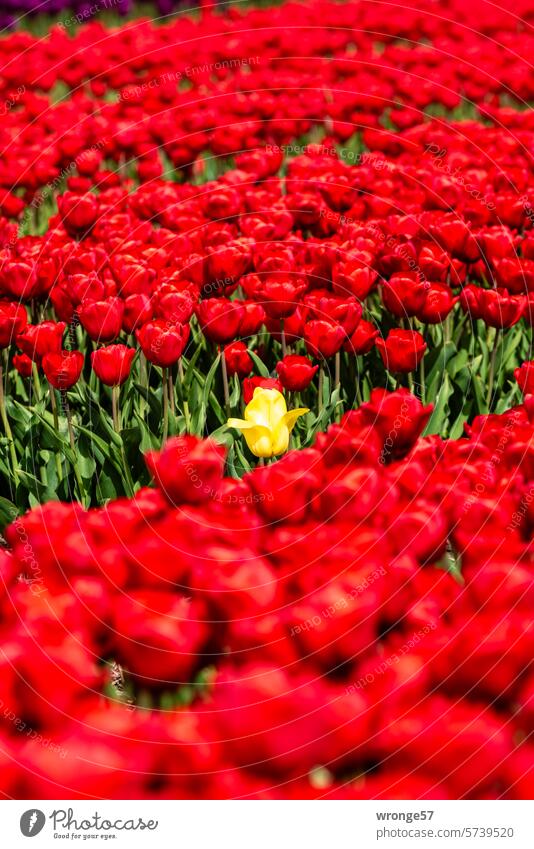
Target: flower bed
267,406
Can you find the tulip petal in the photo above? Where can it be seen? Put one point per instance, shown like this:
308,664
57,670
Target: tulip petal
258,438
241,424
291,417
267,407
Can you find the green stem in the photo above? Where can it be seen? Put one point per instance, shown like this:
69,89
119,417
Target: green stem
143,379
185,402
283,337
77,475
493,362
225,384
53,404
165,406
115,408
354,379
460,328
36,382
422,379
321,384
171,391
115,405
7,428
92,377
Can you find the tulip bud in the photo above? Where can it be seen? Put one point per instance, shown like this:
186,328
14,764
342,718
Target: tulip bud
112,364
252,383
23,364
363,339
296,373
36,340
438,304
402,351
161,343
404,294
137,311
188,470
238,360
102,320
500,309
63,369
13,318
399,417
79,212
219,319
323,338
525,377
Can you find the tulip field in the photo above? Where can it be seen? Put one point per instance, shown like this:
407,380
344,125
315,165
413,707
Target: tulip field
267,400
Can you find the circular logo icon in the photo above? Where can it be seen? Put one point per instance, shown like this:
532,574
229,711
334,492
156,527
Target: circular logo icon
32,822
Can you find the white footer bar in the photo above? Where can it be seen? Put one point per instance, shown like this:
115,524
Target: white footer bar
269,824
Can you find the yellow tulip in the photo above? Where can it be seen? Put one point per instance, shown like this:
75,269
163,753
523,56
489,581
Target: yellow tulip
267,423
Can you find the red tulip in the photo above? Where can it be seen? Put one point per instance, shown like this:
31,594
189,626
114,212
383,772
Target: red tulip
112,364
404,294
188,470
63,369
500,309
346,311
13,318
323,338
163,637
19,280
173,305
88,162
515,274
85,287
36,340
524,375
353,277
296,373
402,351
251,383
219,319
23,364
238,359
438,304
79,212
163,343
137,311
470,301
102,319
363,339
252,318
456,237
280,294
399,417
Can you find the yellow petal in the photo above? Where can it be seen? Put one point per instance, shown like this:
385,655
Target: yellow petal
258,437
259,441
280,438
267,407
291,417
239,424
